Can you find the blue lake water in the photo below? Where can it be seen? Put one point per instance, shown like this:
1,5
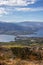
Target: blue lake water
8,38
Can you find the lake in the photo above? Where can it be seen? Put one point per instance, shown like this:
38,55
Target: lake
8,38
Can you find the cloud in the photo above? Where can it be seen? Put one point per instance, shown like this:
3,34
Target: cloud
37,9
29,9
7,11
9,6
17,2
22,9
2,11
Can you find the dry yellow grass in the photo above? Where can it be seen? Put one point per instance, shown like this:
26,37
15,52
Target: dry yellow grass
21,62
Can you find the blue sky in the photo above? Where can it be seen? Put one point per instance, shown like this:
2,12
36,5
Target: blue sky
21,10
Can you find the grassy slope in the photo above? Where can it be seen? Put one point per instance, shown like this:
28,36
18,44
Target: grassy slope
25,52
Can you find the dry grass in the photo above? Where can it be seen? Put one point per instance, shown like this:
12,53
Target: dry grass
20,62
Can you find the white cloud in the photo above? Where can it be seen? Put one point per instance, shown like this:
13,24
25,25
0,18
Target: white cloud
13,3
29,9
17,2
2,11
22,9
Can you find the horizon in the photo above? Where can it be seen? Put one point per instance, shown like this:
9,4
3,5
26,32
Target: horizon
22,22
21,10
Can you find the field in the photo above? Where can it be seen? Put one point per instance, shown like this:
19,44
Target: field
22,52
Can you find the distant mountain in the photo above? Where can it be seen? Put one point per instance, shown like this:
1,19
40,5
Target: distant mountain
20,28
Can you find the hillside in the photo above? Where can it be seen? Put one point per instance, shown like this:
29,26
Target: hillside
20,28
22,52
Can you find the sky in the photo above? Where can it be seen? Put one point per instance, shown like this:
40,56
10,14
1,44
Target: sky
21,10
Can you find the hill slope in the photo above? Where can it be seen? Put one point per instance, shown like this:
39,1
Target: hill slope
20,28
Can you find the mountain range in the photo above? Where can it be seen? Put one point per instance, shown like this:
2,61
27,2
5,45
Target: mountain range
20,28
